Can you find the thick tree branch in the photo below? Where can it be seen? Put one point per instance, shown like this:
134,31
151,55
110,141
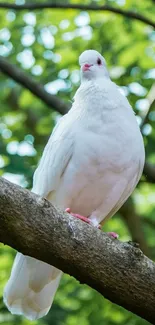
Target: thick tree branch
36,88
117,270
91,7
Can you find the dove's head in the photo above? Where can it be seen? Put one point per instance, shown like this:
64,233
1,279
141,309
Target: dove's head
93,65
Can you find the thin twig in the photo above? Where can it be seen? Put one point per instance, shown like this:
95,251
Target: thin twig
91,7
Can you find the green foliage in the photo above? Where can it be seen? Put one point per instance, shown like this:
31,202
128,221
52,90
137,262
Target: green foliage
46,44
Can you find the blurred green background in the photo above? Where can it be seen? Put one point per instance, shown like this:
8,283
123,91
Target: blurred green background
46,45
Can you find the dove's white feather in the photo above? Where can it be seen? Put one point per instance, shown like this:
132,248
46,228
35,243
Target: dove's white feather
91,164
31,287
55,158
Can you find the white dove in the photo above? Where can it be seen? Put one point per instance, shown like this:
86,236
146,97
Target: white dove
91,164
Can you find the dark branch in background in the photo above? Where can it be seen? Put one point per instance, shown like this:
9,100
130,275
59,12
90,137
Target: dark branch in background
52,101
151,106
134,225
150,222
149,172
37,89
128,213
91,7
117,270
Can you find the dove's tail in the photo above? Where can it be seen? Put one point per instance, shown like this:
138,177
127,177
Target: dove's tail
31,287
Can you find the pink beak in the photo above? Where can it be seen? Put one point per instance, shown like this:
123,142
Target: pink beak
86,67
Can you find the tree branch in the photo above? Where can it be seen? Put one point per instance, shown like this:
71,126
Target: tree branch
91,7
149,222
134,224
36,88
151,100
117,270
149,172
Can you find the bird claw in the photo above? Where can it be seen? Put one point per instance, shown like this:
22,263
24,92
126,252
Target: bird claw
113,235
85,219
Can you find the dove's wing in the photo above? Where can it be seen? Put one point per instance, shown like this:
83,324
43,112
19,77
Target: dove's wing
32,284
55,158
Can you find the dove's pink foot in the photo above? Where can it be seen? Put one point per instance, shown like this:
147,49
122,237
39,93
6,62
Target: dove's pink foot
113,235
85,219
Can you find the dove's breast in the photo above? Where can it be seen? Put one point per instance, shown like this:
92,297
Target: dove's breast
108,155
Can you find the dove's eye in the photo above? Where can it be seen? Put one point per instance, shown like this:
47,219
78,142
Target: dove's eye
99,62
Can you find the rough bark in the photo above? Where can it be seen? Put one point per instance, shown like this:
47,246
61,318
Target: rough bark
119,271
91,7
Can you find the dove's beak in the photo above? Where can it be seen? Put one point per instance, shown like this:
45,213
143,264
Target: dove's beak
86,67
